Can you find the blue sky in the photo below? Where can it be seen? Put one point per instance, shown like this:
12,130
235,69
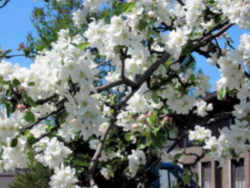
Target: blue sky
212,71
16,23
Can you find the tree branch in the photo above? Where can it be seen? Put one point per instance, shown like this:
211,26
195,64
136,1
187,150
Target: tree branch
43,101
42,118
5,3
181,2
135,87
211,36
57,125
16,55
109,86
146,75
197,157
95,158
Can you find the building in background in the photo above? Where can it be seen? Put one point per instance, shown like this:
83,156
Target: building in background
5,179
229,174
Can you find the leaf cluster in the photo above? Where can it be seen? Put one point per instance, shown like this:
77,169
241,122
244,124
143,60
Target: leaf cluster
37,176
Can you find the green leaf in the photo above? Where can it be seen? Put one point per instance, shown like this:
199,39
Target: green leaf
106,15
29,116
221,94
127,136
212,2
28,100
38,12
142,24
81,163
141,146
155,97
128,7
177,156
186,177
13,142
1,79
149,142
30,138
124,7
6,86
118,48
31,83
168,63
31,155
16,82
6,53
197,142
152,119
83,45
10,108
192,78
156,130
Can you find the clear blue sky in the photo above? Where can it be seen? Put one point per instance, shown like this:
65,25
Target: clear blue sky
15,24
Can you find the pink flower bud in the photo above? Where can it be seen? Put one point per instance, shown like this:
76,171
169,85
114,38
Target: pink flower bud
134,125
21,107
73,121
166,119
149,113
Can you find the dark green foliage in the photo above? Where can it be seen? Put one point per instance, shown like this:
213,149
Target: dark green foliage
37,176
48,20
29,116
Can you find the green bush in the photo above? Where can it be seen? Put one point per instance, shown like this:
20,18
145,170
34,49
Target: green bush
37,176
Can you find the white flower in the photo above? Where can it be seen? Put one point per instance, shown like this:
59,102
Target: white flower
9,126
107,173
211,143
238,11
203,108
15,157
232,75
38,130
244,49
175,41
200,133
53,152
93,144
136,159
63,177
93,5
194,10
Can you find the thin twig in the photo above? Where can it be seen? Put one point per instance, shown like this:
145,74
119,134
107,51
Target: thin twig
43,101
110,85
41,119
148,73
210,37
95,158
181,2
16,55
145,76
5,3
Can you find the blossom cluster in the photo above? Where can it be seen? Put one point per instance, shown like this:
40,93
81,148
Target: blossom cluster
234,139
136,159
49,75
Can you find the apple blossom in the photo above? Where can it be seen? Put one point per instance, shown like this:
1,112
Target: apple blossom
108,99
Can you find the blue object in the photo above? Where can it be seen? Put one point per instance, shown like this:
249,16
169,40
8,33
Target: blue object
168,175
